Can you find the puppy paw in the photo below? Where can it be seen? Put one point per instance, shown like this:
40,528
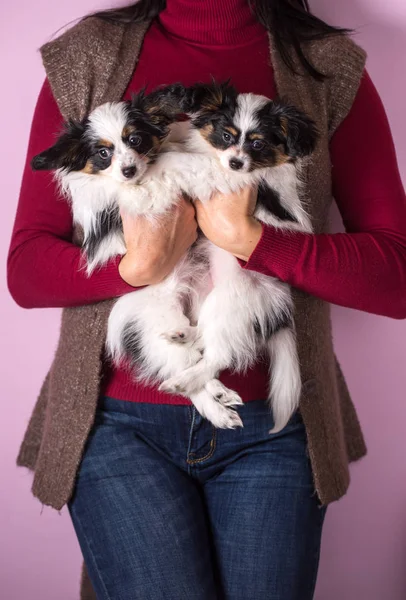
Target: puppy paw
181,335
222,417
222,394
172,386
180,384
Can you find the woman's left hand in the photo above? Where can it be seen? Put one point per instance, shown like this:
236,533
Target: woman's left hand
227,220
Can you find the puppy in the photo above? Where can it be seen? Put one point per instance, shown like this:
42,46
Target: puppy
99,160
108,164
240,140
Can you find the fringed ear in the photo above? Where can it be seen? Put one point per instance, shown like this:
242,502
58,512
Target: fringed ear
137,102
210,98
162,106
166,100
69,151
296,130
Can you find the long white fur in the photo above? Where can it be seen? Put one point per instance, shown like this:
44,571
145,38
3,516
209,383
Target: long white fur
172,345
90,196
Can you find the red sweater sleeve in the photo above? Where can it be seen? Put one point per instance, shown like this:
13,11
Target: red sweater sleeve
364,268
44,267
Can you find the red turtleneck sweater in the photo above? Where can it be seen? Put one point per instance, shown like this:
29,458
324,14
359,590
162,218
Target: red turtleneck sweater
364,268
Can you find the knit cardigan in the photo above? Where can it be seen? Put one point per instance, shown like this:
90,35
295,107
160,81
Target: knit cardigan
92,63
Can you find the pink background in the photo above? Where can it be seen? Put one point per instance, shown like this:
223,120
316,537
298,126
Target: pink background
364,545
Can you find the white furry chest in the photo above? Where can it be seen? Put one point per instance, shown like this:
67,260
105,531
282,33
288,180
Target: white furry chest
245,286
88,195
151,198
224,266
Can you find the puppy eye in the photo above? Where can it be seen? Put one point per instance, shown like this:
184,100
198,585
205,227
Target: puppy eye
258,144
227,137
134,140
105,153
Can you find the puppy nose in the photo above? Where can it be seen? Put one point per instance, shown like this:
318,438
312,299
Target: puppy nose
236,164
129,172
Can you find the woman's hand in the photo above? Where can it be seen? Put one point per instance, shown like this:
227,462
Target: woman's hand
228,221
153,249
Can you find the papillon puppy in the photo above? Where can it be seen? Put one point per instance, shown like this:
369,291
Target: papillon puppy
99,160
238,140
109,164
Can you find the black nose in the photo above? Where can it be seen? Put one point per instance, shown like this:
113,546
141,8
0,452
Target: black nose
129,172
236,164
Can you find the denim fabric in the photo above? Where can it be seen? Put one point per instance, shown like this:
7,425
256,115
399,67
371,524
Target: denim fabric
166,507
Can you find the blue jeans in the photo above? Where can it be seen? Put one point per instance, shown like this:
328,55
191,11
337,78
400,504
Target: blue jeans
166,507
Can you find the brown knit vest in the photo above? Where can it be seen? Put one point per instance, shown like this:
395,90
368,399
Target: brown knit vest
92,63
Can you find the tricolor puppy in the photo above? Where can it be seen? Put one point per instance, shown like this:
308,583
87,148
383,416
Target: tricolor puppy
110,163
99,160
240,140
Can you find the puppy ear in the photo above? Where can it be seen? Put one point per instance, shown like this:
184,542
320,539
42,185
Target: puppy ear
168,99
203,98
296,130
67,152
162,106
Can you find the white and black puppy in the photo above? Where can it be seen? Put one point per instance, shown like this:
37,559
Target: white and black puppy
240,140
99,164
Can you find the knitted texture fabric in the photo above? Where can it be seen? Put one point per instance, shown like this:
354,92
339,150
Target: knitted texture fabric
92,63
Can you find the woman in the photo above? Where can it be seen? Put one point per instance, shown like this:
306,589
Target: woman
163,505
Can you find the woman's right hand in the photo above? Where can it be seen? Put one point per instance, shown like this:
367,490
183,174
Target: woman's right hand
153,249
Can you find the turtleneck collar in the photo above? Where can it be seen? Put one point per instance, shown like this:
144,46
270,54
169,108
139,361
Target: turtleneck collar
211,22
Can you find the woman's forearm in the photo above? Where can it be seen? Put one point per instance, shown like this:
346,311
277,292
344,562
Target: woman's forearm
365,271
46,272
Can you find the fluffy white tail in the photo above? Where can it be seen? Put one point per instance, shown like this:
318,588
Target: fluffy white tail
285,384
